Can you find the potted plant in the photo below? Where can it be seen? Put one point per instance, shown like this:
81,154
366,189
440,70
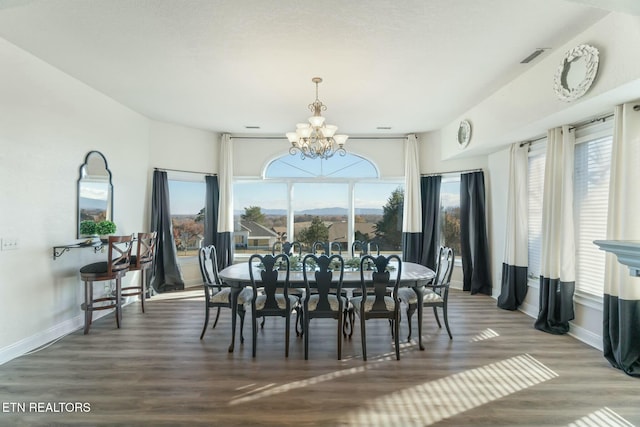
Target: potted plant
87,227
105,227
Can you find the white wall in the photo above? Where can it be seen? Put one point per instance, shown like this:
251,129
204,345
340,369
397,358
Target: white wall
528,106
48,123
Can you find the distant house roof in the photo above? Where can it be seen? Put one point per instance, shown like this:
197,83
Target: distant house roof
254,229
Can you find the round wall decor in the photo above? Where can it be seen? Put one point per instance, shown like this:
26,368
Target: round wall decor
576,73
464,133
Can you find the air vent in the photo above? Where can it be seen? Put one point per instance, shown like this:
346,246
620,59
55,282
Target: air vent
383,127
252,127
533,55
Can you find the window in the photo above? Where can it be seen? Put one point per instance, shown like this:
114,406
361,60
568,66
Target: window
450,213
187,215
337,200
591,192
591,199
537,155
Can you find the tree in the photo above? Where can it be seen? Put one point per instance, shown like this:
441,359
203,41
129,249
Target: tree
389,229
200,216
451,229
317,231
253,213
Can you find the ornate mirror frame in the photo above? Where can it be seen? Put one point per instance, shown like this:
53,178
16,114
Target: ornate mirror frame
95,190
564,90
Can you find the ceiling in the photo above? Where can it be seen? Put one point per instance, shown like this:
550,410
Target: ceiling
224,65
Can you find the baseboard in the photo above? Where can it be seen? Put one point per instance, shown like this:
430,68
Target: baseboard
586,336
47,336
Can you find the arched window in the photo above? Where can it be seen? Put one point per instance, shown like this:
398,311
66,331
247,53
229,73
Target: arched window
347,166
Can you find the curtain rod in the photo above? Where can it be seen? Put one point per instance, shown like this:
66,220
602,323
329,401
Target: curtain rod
578,125
449,172
183,171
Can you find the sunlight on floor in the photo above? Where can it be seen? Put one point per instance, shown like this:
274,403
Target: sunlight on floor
485,335
269,389
601,418
452,395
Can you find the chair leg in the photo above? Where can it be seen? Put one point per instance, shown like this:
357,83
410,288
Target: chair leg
352,320
435,313
88,306
411,308
446,320
241,313
215,322
299,320
306,337
118,302
287,322
262,324
142,288
396,325
340,326
206,320
254,330
363,334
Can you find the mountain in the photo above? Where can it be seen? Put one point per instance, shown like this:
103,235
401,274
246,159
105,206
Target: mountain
319,211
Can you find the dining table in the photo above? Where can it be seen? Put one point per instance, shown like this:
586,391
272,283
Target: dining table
412,275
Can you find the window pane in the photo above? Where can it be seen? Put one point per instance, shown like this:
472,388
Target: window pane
187,200
450,214
320,213
378,215
535,189
348,166
591,194
260,216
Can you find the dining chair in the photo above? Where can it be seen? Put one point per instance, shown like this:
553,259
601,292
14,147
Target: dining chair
288,248
274,300
114,268
435,294
217,294
324,299
142,262
375,302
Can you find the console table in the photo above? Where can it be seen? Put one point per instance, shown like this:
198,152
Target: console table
59,250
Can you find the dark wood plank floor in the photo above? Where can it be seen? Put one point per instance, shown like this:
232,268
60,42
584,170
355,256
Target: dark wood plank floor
498,371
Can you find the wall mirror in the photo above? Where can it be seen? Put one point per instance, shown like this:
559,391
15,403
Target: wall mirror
95,190
576,73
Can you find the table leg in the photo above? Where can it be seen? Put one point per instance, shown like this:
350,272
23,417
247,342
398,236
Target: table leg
233,299
418,291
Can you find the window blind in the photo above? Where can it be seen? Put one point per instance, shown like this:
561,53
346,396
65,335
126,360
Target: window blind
591,194
537,154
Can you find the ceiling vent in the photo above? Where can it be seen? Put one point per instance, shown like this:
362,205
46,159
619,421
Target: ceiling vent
533,55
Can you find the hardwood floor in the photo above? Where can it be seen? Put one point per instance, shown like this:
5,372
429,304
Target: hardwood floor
498,370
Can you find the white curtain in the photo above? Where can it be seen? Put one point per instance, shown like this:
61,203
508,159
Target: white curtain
412,207
516,253
621,325
557,264
224,241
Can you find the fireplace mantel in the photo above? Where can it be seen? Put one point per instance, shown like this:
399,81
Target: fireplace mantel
627,251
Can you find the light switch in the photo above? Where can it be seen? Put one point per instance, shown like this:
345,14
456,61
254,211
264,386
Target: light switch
10,243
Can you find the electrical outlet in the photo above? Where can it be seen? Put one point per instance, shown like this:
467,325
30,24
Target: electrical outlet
10,243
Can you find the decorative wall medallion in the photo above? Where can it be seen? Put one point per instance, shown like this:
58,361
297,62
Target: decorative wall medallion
576,73
464,133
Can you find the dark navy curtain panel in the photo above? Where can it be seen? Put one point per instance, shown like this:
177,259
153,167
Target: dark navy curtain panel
212,199
473,234
621,311
166,275
430,190
514,286
558,257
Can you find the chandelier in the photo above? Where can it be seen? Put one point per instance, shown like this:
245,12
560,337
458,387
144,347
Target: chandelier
316,139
